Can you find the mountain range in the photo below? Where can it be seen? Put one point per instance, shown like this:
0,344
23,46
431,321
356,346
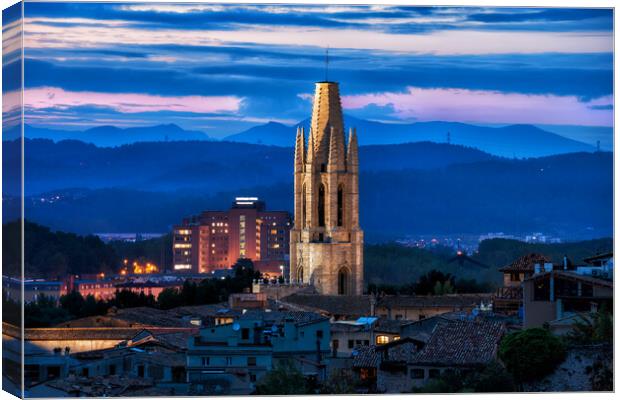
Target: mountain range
514,141
108,135
508,141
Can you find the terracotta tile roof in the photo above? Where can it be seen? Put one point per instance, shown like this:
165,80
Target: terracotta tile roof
365,357
352,306
403,350
525,263
461,343
99,386
448,300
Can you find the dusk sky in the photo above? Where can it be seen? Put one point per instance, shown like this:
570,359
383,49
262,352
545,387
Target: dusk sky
223,68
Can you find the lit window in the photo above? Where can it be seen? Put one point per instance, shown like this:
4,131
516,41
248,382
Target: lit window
382,339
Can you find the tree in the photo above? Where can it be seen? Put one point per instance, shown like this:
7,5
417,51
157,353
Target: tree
72,302
341,381
592,328
284,379
169,298
493,378
43,312
531,353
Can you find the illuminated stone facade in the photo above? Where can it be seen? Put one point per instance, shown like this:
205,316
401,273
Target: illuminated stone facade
326,240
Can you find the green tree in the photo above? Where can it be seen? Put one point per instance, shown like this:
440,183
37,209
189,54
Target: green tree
591,328
72,302
284,379
170,298
494,378
43,313
341,381
531,353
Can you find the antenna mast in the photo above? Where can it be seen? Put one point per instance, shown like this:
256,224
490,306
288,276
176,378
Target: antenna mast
326,63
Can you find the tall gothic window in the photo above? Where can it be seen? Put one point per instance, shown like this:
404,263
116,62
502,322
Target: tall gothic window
340,205
303,205
342,281
322,205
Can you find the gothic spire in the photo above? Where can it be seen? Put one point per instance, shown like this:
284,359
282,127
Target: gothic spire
352,151
300,149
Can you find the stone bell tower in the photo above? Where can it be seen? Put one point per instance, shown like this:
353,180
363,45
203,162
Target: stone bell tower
326,240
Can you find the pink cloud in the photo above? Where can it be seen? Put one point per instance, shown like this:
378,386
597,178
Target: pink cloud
461,105
50,97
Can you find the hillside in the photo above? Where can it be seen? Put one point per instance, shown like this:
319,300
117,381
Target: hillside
568,195
393,264
196,166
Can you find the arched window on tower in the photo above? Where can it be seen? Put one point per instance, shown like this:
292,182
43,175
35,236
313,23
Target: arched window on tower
340,205
322,205
343,280
303,205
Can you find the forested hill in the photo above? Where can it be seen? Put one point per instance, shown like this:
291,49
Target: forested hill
420,188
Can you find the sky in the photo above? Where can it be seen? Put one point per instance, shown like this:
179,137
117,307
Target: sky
221,69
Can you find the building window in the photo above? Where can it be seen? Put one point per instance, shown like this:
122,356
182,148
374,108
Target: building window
351,343
322,205
433,373
382,339
342,282
366,342
228,360
514,277
417,373
340,205
206,361
252,377
319,334
251,361
141,371
245,334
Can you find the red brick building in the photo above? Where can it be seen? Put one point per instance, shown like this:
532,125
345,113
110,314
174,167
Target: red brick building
216,239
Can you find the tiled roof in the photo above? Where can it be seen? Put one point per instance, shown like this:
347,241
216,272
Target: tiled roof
525,263
402,350
298,317
448,300
353,306
99,386
365,357
461,343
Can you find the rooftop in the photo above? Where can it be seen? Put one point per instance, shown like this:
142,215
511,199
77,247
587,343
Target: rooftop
461,343
525,263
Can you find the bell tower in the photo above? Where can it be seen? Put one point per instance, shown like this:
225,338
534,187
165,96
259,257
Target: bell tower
326,240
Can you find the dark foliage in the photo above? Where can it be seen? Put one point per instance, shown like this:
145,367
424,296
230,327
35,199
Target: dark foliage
284,379
531,354
433,283
55,254
492,378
